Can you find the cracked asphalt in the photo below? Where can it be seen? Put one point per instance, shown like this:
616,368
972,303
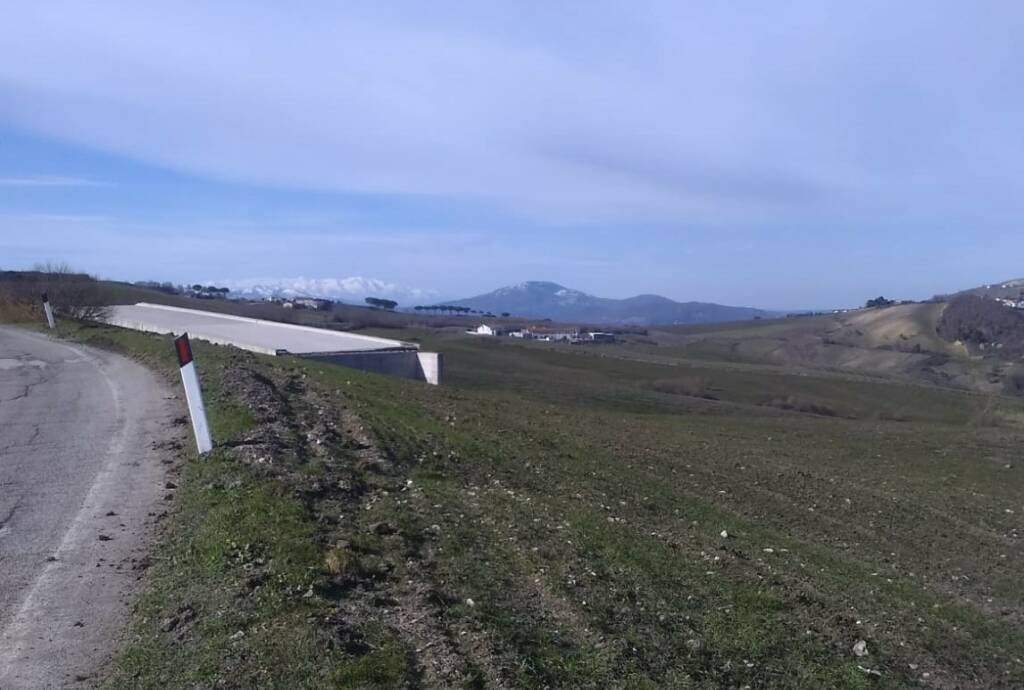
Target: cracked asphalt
85,439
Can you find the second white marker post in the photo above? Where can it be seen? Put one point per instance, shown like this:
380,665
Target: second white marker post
49,311
193,394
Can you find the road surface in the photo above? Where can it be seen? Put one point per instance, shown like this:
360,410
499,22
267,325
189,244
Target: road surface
82,437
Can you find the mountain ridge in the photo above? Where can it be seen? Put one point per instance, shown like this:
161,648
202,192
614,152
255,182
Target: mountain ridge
546,299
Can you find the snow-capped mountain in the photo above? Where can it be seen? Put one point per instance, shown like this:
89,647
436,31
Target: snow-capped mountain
536,299
351,289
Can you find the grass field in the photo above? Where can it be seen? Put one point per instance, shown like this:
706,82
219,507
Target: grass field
587,518
602,503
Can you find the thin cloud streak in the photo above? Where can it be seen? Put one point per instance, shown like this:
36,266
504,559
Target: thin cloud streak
50,181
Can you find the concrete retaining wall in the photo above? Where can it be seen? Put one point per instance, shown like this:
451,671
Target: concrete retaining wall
432,366
409,364
164,330
369,353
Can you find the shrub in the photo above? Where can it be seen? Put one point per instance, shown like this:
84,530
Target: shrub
339,562
982,322
13,311
73,295
692,386
798,404
1013,384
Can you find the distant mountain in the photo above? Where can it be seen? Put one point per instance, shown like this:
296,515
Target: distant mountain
538,300
353,289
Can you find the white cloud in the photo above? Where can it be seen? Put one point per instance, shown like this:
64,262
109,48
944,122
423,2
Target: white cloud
681,112
351,289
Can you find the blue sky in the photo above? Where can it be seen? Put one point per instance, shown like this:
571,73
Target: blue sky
782,155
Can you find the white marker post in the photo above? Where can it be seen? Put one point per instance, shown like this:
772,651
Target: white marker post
49,310
193,394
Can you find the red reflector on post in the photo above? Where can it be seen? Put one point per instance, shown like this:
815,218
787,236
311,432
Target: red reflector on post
193,394
184,349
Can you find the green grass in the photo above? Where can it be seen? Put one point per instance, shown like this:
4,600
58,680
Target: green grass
580,507
224,520
619,377
230,524
558,470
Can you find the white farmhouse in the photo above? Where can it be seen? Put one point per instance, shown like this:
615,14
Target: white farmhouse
489,329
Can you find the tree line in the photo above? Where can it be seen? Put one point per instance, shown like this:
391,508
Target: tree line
378,303
390,305
453,309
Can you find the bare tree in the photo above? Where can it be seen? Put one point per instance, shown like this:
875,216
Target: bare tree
72,295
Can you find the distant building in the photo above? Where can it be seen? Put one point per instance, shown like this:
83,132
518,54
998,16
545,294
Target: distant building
489,329
601,337
552,334
307,303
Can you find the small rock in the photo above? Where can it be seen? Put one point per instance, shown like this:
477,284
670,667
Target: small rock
470,603
256,580
104,537
860,648
382,528
237,636
170,485
724,534
694,644
187,613
169,624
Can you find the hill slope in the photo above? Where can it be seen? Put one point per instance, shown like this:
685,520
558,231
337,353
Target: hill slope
551,300
985,325
1011,289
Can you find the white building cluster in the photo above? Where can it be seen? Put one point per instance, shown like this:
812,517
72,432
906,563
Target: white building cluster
1010,302
544,333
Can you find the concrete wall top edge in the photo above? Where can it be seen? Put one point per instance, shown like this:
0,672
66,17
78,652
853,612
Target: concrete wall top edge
327,353
215,340
384,342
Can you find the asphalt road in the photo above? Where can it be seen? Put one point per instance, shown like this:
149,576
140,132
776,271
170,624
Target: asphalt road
83,434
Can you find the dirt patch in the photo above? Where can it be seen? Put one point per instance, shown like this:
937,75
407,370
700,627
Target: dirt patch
321,450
